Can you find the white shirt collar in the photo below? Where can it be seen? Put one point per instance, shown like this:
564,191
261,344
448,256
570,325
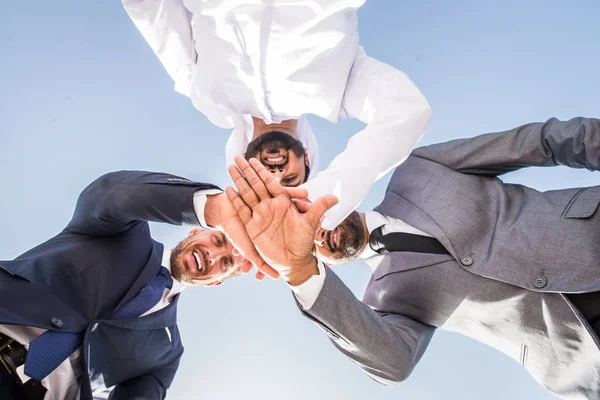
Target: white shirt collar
374,220
177,286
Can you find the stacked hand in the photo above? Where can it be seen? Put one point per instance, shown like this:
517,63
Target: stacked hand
281,229
225,218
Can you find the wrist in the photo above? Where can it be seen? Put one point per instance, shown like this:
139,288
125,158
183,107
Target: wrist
302,271
211,210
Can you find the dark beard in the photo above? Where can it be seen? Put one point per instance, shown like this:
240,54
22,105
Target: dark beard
352,238
272,142
176,267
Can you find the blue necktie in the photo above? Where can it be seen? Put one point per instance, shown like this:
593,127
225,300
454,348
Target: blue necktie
50,349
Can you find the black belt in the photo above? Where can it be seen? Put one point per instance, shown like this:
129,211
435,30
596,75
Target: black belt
12,356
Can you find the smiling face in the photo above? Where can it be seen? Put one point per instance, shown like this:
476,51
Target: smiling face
204,258
282,155
344,244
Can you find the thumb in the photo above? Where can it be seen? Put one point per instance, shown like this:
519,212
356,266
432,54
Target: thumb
319,207
302,205
296,192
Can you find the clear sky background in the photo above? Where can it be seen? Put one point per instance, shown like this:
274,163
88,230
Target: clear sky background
82,94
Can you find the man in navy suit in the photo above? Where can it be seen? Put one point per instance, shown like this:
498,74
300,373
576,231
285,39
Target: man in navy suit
95,306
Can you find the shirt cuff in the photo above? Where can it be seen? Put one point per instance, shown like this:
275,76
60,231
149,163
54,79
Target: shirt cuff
200,202
307,293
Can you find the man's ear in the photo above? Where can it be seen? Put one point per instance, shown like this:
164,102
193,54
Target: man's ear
306,159
194,231
213,284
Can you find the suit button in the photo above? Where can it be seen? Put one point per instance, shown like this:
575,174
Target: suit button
466,261
539,282
57,323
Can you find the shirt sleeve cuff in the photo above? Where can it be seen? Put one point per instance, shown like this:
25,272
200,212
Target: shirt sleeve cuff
200,202
307,293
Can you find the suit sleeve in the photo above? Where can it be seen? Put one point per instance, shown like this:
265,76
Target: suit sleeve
386,346
152,386
396,114
574,143
166,26
114,202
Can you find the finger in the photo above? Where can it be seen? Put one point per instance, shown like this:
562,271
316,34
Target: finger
257,261
267,179
243,187
302,205
242,209
296,192
246,267
319,207
266,269
260,276
252,178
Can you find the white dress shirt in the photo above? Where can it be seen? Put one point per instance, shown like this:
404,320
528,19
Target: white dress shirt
283,60
307,293
62,383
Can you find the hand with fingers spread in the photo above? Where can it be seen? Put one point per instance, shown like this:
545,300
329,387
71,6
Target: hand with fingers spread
219,213
281,234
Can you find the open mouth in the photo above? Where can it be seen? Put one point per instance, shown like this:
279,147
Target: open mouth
333,239
275,160
200,262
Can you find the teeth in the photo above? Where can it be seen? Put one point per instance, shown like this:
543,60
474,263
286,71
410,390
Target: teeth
275,159
197,257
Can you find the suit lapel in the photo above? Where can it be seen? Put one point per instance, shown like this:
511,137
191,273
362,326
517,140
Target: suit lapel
157,320
148,273
396,206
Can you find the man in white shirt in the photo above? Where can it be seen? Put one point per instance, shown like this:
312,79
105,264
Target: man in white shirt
260,68
96,305
453,247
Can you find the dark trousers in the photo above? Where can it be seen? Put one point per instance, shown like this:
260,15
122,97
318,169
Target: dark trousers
589,305
9,388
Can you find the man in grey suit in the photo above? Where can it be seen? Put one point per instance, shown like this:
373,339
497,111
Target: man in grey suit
453,247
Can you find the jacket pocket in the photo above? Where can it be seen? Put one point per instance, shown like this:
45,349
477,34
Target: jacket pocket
584,204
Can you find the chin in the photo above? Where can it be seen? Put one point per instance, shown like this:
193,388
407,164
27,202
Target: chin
331,261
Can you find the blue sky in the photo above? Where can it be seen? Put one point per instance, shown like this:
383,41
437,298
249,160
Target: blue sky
82,94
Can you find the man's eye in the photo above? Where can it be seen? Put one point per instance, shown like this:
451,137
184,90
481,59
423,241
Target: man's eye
218,241
290,179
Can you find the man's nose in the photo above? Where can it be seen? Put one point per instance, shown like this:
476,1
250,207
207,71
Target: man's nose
277,174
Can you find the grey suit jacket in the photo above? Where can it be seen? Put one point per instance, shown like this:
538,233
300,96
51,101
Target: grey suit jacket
514,252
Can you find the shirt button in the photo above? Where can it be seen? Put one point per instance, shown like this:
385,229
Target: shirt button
539,282
56,322
466,261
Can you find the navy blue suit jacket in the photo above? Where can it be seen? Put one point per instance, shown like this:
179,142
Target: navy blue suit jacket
103,258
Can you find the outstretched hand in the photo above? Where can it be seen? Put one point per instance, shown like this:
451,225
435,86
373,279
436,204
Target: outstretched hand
282,235
227,220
